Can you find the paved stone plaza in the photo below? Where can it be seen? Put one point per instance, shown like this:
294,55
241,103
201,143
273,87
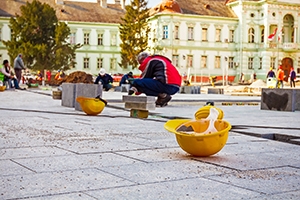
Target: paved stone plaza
53,152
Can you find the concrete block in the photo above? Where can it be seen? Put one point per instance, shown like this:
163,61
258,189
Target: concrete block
125,87
190,89
87,90
215,91
56,94
68,95
118,89
138,99
140,106
278,99
297,96
139,113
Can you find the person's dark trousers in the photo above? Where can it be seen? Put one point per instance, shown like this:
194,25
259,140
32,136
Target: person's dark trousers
16,84
107,87
18,73
292,82
152,87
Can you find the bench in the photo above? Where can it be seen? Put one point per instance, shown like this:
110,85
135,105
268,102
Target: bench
139,105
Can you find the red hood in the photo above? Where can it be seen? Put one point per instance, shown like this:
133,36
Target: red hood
142,66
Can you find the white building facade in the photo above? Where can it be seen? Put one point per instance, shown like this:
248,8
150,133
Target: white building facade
213,40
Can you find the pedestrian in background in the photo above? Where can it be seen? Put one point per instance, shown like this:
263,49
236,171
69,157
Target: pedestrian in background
292,77
18,66
280,77
105,79
125,79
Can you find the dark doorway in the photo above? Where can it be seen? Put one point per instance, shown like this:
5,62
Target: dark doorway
287,64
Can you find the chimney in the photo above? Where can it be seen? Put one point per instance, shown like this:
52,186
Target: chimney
59,2
103,3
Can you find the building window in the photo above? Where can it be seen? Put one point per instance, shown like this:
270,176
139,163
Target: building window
190,33
272,63
86,63
190,61
113,40
176,32
86,38
250,63
230,62
231,35
251,34
262,36
217,62
99,63
204,34
175,60
203,61
218,35
260,63
113,64
73,38
165,32
100,39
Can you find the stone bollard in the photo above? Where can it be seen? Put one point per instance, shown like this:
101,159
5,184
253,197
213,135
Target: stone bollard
280,99
87,90
68,95
70,91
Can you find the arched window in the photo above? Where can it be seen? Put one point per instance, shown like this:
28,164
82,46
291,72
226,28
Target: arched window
262,35
251,34
288,28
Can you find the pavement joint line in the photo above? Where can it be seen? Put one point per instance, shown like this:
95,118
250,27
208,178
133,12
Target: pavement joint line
282,138
198,159
264,127
12,160
133,158
259,193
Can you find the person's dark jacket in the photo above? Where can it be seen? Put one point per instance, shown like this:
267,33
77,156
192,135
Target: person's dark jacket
124,79
160,68
105,79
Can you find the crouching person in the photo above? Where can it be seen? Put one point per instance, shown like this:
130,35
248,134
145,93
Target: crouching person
159,78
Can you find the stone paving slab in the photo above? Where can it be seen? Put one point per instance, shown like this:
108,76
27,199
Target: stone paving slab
9,168
29,152
194,188
58,153
74,162
57,182
153,172
266,181
65,197
157,155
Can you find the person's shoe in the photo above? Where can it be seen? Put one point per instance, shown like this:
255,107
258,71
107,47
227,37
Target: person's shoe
162,100
21,88
132,90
